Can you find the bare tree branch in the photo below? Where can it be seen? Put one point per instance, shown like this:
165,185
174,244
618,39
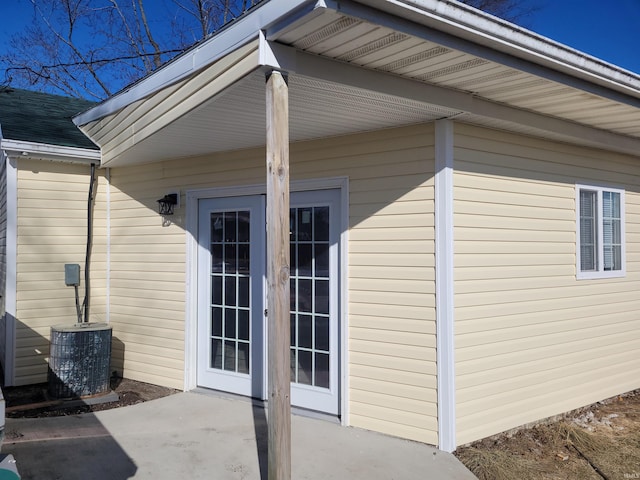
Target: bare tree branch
157,59
134,41
69,42
92,48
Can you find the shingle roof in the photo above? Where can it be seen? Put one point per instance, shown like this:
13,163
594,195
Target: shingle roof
42,118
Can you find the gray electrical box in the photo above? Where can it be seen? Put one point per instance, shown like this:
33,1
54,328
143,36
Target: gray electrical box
71,274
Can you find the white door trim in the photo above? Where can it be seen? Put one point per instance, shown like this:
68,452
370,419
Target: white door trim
191,270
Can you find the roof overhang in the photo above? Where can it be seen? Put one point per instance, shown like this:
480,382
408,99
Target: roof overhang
355,67
42,151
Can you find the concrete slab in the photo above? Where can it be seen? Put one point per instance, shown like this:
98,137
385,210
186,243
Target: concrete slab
196,436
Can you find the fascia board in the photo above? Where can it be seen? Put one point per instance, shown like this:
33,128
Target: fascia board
44,151
246,29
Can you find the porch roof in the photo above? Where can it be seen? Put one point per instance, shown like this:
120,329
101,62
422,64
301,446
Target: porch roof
355,67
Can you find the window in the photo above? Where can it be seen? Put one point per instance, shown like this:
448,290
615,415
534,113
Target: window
600,232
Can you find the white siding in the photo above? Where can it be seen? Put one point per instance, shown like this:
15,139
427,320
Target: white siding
52,231
3,254
392,383
531,340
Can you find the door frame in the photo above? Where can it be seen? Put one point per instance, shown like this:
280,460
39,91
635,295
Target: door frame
191,272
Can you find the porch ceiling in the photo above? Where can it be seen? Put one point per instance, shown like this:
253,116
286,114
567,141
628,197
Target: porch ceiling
235,118
377,47
594,110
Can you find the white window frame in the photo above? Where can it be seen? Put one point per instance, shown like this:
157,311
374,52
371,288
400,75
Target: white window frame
600,272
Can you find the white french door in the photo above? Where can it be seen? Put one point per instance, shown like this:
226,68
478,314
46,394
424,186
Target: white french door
230,294
231,297
314,242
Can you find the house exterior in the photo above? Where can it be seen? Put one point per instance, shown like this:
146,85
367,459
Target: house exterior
465,218
44,181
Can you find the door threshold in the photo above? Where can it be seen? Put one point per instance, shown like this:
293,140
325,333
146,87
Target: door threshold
256,402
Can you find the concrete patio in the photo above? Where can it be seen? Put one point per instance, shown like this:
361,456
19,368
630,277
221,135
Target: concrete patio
197,436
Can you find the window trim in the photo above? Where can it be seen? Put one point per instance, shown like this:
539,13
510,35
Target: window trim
600,273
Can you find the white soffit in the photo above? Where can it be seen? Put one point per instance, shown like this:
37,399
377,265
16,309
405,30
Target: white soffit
378,47
235,118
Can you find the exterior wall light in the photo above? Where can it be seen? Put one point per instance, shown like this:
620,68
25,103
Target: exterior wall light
167,203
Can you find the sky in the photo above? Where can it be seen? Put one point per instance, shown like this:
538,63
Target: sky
607,29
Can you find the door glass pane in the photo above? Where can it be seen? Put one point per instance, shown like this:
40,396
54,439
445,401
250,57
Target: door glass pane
229,356
243,324
230,291
243,357
310,302
305,328
243,227
216,253
243,258
305,367
292,293
293,330
322,297
217,227
322,333
305,259
321,224
243,291
230,226
322,370
216,290
216,321
230,323
230,258
322,260
294,365
216,353
305,224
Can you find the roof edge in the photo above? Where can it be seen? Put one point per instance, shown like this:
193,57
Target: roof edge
244,30
461,20
45,151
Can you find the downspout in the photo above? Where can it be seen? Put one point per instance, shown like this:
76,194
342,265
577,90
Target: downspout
87,258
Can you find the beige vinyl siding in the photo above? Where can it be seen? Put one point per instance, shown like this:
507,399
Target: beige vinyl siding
148,261
52,231
392,382
531,340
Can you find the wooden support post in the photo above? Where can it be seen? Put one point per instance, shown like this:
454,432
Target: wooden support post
279,406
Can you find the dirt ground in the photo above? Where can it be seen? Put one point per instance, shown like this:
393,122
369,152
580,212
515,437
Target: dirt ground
598,442
31,401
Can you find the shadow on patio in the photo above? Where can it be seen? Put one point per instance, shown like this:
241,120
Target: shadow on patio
198,436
